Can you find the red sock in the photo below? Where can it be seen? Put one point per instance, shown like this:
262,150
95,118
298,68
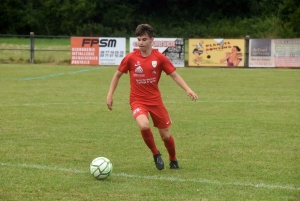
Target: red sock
170,145
149,140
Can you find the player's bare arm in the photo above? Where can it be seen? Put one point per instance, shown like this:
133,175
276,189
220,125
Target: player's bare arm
112,88
178,79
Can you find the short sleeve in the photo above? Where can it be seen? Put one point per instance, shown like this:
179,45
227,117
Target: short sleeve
123,66
168,67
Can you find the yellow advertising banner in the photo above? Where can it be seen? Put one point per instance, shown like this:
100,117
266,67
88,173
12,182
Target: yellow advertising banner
216,52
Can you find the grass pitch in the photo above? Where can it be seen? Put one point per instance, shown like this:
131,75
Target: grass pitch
240,141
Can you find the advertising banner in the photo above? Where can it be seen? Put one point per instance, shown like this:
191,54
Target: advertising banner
84,51
111,50
261,53
172,48
287,52
97,51
216,52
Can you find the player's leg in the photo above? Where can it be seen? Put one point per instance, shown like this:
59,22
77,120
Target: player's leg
162,121
142,120
143,123
170,146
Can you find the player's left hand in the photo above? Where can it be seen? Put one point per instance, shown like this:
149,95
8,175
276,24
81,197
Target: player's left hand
193,95
109,102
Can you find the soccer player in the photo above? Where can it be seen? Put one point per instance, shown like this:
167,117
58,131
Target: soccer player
145,66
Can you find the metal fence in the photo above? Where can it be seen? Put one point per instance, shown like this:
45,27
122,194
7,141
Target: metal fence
34,48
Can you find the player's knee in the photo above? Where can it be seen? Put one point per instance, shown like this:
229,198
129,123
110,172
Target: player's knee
144,126
164,134
165,137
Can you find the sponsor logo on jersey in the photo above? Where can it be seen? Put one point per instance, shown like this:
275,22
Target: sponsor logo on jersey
137,63
139,69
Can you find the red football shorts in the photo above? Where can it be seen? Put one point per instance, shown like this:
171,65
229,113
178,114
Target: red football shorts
158,113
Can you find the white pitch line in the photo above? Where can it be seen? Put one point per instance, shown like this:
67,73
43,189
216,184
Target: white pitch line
58,74
174,179
198,101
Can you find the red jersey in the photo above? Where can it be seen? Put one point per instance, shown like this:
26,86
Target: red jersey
144,75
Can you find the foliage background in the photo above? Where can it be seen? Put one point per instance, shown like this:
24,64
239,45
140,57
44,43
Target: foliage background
170,18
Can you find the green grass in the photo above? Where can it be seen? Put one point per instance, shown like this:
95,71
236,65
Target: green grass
47,50
240,141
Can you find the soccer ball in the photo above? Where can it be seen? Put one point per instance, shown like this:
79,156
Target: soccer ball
101,167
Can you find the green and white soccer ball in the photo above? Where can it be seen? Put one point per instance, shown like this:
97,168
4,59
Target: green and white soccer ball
101,167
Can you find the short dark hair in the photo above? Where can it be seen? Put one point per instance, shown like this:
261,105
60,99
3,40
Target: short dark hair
144,29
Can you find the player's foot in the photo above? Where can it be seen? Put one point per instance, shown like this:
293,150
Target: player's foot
159,161
174,165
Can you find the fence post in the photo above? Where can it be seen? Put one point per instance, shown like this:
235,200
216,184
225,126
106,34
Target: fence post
247,51
32,47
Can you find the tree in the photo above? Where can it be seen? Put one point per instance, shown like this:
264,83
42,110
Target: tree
11,16
289,14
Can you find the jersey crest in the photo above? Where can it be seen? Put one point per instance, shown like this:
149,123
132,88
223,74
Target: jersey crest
154,64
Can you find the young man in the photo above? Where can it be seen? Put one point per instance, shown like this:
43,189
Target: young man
145,66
